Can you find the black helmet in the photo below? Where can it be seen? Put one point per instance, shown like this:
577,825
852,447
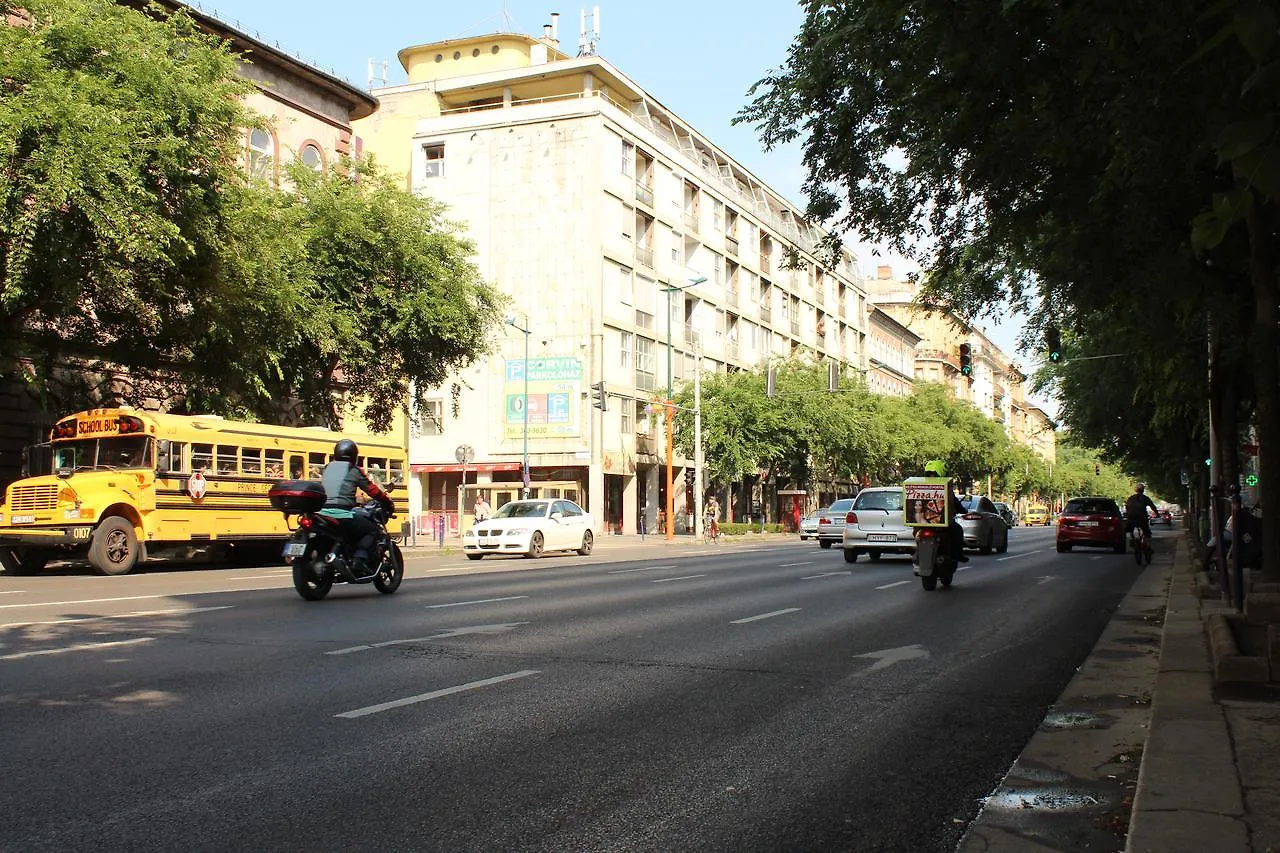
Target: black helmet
346,450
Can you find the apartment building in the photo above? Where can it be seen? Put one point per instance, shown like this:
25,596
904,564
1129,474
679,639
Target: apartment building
891,356
635,252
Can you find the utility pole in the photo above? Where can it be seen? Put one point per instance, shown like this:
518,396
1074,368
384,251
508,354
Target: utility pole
697,440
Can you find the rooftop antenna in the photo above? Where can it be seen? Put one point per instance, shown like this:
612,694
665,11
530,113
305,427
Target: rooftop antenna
587,40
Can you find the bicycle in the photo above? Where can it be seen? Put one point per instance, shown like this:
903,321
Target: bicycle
711,531
1141,546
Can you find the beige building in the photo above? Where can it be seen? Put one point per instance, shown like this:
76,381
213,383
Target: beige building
996,386
891,355
621,234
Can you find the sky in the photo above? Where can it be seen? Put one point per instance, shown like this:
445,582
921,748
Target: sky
697,57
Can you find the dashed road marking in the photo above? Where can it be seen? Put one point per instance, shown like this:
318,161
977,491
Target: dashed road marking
645,569
682,578
182,611
78,647
765,616
477,601
895,583
1016,556
435,694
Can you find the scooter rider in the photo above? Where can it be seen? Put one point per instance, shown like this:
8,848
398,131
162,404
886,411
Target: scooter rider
955,534
342,478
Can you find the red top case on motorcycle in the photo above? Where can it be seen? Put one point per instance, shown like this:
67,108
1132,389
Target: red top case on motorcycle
297,496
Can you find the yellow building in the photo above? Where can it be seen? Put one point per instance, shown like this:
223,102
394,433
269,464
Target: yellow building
621,235
891,358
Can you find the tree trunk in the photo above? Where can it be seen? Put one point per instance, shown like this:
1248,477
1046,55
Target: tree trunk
1266,353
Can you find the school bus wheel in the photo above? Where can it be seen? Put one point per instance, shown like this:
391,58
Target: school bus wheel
114,549
26,561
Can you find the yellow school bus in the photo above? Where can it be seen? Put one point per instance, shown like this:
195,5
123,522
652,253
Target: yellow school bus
117,486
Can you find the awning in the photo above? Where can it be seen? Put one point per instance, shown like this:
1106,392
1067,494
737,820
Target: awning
457,468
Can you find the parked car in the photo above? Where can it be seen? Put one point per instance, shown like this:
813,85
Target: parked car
1094,521
875,525
1007,513
983,527
809,527
530,528
1036,514
1163,516
831,522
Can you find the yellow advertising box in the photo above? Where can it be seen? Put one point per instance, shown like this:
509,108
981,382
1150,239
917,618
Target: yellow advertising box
924,502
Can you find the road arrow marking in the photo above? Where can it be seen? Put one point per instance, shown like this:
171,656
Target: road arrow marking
825,575
1046,578
888,657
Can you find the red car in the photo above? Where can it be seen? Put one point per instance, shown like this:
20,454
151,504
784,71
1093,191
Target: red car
1093,521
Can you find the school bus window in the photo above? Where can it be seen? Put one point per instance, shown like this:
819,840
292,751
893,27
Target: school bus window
397,472
295,467
201,457
170,456
227,459
251,461
275,463
315,464
377,471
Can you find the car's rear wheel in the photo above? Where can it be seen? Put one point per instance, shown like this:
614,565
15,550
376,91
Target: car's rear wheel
850,555
824,543
1120,546
475,556
1004,544
986,547
1062,549
23,561
874,556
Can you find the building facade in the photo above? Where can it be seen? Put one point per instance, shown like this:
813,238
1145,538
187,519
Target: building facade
634,251
891,357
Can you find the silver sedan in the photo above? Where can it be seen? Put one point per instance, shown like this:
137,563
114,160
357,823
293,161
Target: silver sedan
983,527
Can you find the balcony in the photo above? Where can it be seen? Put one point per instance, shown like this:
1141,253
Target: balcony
766,313
731,243
644,194
731,298
691,221
644,256
647,444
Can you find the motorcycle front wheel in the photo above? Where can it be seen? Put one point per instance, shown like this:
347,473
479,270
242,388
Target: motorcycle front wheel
391,572
306,583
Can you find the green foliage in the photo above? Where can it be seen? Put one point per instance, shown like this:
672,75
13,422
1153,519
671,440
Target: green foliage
734,528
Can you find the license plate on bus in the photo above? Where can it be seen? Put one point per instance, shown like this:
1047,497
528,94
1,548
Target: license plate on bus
295,549
23,519
882,537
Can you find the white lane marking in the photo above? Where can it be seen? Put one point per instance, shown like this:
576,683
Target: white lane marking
78,647
477,601
1095,558
683,578
1016,556
895,583
435,694
765,616
825,575
135,614
13,592
789,565
255,577
645,569
81,601
1046,578
491,630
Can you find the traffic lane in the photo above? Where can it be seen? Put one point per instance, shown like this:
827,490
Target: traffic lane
626,689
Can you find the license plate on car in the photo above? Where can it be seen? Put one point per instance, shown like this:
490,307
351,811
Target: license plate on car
295,549
882,537
1088,524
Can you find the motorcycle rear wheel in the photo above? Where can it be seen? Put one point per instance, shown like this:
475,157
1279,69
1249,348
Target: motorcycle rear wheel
306,583
391,572
929,582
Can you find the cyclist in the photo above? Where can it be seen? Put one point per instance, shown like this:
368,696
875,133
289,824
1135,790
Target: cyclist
1135,511
711,521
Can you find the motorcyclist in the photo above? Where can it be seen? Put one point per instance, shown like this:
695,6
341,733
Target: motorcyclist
955,534
342,478
1135,511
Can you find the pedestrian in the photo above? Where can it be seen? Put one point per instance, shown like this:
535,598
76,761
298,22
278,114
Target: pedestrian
482,510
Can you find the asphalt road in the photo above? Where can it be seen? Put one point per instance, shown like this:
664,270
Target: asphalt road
690,698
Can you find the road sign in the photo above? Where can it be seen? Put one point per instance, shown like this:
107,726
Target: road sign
465,453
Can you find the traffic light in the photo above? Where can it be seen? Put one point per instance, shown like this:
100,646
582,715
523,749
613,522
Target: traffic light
1097,469
599,398
966,359
1053,341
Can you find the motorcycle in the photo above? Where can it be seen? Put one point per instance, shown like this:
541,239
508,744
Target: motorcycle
318,552
933,561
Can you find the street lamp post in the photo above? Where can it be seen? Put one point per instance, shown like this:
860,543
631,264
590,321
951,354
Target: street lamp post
670,407
524,466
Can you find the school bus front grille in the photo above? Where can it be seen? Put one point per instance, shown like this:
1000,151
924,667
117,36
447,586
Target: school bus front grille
33,498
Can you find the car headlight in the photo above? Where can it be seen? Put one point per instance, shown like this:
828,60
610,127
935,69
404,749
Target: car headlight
470,532
517,531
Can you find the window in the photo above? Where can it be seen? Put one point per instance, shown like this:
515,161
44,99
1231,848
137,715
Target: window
644,364
434,155
227,463
628,159
376,468
397,472
201,457
626,287
315,465
625,360
251,461
296,467
262,149
312,158
717,215
275,464
430,419
170,457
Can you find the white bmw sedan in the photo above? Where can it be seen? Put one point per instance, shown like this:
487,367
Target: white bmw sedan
531,527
